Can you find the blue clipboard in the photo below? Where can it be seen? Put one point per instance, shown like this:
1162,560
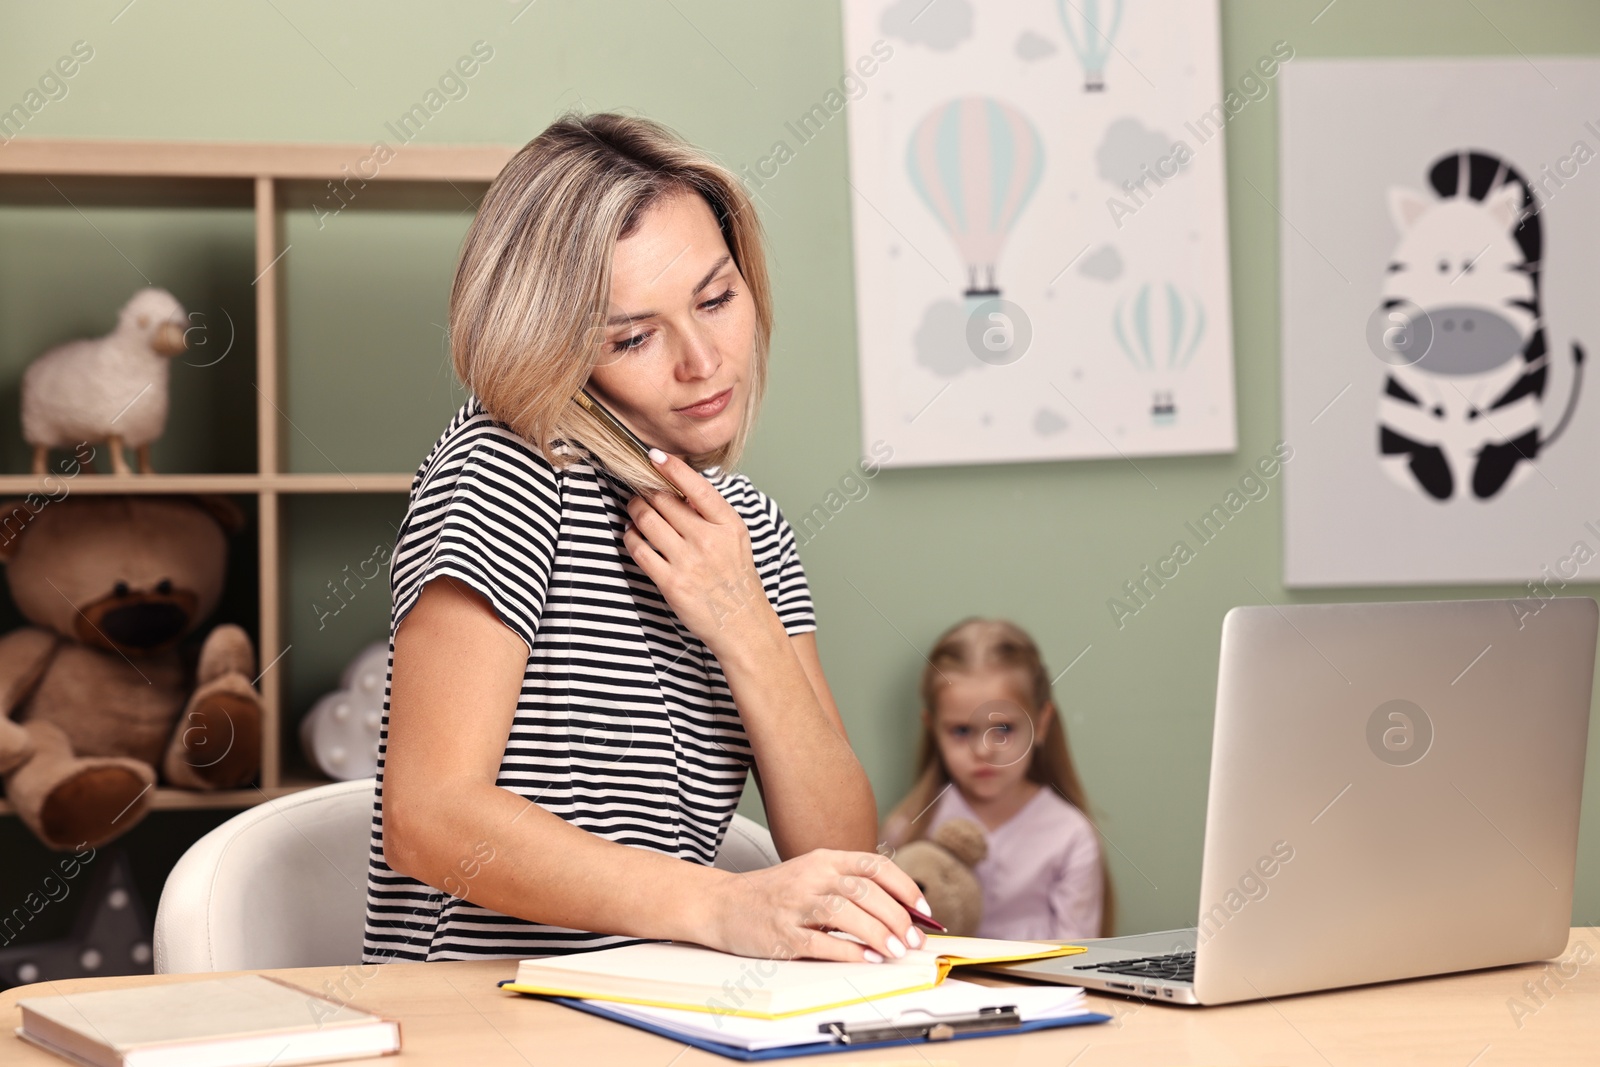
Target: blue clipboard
827,1045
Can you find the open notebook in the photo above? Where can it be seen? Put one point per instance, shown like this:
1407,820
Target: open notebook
674,974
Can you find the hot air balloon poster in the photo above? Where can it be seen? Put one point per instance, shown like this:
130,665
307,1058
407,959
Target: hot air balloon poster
1440,323
1040,232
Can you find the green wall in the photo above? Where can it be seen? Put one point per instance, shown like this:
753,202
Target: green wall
1042,543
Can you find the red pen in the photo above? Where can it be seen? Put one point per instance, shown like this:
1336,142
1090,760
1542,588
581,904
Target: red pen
925,920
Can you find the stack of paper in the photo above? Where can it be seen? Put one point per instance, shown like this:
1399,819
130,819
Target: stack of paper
951,997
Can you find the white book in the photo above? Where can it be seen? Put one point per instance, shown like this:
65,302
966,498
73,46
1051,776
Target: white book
248,1020
695,978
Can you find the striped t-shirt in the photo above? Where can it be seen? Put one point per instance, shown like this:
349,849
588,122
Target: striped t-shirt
624,726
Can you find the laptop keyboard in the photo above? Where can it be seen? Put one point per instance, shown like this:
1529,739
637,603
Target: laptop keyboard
1172,967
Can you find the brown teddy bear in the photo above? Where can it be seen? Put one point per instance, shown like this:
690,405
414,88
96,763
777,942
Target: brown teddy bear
941,865
95,695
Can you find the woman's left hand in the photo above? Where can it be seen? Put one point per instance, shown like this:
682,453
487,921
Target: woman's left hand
698,554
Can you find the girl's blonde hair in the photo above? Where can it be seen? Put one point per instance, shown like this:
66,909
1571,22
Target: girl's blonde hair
533,281
976,645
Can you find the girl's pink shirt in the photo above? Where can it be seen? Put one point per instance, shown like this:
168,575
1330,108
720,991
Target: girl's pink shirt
1041,878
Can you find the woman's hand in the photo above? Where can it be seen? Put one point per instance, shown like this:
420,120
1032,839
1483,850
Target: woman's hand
698,554
784,912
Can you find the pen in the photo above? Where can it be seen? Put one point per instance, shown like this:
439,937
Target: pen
936,1028
925,920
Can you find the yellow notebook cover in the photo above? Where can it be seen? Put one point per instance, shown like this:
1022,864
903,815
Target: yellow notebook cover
695,978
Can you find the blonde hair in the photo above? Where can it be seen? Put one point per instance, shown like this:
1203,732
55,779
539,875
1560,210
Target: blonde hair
533,281
976,645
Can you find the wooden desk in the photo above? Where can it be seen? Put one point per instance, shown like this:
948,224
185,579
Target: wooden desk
452,1013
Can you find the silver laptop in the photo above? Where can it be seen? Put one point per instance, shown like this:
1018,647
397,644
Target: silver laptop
1394,793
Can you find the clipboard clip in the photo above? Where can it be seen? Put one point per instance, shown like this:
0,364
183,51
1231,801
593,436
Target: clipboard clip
937,1028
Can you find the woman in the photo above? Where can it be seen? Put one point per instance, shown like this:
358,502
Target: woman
576,698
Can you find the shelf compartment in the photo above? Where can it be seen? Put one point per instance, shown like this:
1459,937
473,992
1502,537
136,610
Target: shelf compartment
366,373
66,271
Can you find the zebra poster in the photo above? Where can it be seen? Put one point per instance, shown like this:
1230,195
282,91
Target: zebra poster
1441,282
1038,200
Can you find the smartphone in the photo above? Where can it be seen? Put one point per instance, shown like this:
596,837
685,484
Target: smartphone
620,433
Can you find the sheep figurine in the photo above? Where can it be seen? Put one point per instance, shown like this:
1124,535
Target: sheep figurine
111,388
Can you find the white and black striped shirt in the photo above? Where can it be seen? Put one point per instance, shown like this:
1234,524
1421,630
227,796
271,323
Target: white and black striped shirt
624,726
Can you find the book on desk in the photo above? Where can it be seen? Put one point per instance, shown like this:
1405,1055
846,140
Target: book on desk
246,1020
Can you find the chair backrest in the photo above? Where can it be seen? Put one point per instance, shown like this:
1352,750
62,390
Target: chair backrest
747,846
284,884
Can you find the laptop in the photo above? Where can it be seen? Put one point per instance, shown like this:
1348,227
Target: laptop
1394,793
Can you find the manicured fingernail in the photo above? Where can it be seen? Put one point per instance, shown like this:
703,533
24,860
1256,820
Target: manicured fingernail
914,937
896,947
658,456
922,906
872,957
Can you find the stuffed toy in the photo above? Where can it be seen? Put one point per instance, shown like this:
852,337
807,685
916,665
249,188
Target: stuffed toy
111,388
941,865
96,694
340,734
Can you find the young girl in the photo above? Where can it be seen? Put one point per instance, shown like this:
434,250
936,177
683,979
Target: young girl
994,751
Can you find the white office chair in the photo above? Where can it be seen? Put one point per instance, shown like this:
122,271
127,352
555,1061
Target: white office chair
284,884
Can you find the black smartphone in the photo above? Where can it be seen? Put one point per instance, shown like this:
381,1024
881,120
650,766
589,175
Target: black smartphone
620,433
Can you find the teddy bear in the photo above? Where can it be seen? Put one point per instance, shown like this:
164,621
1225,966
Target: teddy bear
942,866
97,695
